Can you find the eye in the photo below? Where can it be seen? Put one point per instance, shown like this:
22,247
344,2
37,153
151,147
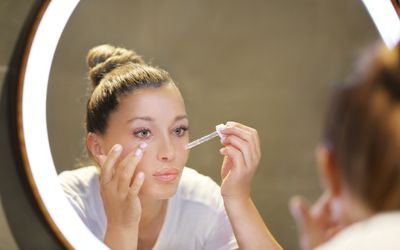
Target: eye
180,131
142,133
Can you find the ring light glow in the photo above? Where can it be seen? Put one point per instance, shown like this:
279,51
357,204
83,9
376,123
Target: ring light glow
386,20
34,125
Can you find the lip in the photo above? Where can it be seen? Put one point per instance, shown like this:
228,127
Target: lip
166,174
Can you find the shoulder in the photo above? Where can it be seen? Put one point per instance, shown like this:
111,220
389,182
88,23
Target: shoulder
381,231
79,181
81,187
199,189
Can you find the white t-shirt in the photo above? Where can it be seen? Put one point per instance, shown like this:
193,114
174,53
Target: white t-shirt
195,217
381,231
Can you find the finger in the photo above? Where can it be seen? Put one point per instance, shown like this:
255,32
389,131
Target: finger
236,157
312,230
300,211
321,209
125,173
226,167
323,213
242,134
246,133
249,155
233,128
240,125
136,185
107,168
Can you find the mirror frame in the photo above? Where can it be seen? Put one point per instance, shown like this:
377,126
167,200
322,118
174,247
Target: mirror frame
33,151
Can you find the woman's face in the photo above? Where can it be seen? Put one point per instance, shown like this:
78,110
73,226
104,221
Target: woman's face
157,117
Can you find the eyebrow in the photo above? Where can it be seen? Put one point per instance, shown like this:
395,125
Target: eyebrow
149,119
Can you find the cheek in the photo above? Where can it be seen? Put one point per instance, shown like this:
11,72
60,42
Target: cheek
181,143
149,158
182,154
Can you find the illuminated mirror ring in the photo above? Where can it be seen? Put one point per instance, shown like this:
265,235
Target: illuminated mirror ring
32,127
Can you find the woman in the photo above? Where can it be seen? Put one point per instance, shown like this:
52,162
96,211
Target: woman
139,195
359,164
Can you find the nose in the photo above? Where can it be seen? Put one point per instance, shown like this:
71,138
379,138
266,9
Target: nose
166,151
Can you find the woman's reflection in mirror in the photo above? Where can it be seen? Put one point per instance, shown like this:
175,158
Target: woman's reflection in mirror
138,194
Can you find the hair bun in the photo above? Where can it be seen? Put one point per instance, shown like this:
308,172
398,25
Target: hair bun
387,67
104,58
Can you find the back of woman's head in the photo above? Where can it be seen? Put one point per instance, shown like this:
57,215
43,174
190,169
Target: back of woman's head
115,72
363,130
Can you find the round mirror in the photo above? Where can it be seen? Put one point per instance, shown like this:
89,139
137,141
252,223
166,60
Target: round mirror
268,64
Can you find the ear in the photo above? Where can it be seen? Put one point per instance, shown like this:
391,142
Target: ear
94,144
328,169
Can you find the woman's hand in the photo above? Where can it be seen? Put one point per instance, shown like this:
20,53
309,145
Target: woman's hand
315,224
242,156
119,190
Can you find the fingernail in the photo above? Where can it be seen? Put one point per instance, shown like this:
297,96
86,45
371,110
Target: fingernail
222,151
143,145
138,152
140,176
117,148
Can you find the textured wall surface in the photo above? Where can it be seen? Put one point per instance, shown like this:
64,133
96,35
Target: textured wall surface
269,64
12,16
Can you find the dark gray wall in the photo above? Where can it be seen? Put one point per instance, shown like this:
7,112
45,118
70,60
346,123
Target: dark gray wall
269,64
12,16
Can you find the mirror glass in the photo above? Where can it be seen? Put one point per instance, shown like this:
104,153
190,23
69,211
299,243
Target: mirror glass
268,64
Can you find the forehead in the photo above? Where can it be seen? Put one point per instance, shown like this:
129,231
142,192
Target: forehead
158,103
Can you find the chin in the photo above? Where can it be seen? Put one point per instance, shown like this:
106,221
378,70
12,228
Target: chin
164,194
160,191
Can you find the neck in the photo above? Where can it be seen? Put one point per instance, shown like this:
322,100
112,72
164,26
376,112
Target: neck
355,209
152,210
152,219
